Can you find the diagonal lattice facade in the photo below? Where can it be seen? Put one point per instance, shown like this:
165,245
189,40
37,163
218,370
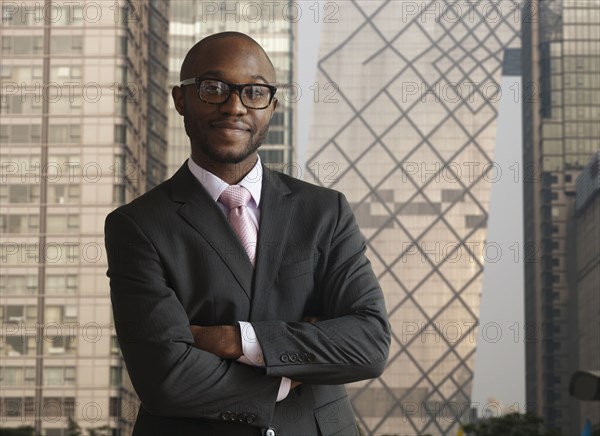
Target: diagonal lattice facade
405,126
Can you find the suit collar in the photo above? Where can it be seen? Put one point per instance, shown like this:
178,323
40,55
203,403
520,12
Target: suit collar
203,214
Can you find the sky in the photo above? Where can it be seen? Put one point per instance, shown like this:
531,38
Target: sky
500,356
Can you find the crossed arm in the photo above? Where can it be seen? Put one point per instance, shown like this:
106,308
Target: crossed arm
225,341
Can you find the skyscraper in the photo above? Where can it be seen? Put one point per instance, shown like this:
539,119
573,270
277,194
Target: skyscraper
561,96
272,25
82,131
404,126
586,277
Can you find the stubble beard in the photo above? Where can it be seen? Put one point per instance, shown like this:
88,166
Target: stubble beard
221,155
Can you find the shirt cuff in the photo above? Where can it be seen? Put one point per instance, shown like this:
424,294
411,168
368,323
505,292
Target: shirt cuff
253,354
284,388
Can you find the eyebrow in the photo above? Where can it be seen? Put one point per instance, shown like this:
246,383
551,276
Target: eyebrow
220,74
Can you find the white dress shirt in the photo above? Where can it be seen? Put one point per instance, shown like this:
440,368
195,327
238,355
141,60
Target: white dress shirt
252,350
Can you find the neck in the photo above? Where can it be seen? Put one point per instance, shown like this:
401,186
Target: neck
230,173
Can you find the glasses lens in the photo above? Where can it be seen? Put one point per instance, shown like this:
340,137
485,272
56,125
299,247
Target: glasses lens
213,91
256,96
217,92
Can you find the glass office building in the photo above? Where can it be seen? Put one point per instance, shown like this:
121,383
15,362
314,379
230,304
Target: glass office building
587,279
82,131
272,25
561,110
405,127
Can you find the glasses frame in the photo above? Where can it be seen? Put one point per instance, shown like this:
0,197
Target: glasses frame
232,86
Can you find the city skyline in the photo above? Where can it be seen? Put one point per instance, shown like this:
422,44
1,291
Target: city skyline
131,131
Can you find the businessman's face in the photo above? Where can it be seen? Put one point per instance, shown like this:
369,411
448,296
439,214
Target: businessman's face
229,132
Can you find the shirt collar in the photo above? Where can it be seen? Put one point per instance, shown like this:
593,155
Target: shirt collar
215,186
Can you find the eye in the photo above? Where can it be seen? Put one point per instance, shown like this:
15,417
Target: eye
212,87
255,92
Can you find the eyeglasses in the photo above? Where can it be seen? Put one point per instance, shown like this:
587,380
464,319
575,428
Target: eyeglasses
252,95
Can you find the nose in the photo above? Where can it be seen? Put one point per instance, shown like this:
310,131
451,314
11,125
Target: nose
233,105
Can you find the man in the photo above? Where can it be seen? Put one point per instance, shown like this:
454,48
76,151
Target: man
245,318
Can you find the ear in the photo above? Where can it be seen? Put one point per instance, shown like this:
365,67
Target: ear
274,104
178,99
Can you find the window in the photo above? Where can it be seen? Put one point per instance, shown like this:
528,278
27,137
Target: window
29,379
69,16
73,222
60,344
19,313
11,406
64,133
18,376
61,284
114,407
274,137
18,284
115,376
114,345
15,346
20,134
59,376
12,376
54,314
20,223
70,313
18,193
70,375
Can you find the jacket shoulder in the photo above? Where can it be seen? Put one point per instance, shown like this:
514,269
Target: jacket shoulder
309,189
147,202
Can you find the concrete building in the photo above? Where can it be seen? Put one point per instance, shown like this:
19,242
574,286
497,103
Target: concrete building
405,126
82,131
272,25
561,109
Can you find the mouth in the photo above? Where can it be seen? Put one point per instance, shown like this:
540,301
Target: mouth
231,127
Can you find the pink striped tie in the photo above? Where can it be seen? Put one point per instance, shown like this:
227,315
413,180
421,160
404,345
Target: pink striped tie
235,198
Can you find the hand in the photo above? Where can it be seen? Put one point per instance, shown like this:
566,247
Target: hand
224,341
311,319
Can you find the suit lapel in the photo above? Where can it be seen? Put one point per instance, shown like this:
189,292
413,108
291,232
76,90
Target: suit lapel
204,215
276,210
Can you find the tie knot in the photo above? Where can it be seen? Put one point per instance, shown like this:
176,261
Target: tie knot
235,196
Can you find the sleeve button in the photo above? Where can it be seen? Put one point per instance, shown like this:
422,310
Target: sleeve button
285,358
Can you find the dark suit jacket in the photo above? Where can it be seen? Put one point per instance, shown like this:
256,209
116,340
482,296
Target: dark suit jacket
173,260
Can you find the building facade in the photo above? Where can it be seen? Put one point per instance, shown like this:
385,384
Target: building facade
82,131
405,127
587,279
561,109
272,25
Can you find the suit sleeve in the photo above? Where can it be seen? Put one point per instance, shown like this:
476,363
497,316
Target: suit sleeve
170,375
352,342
